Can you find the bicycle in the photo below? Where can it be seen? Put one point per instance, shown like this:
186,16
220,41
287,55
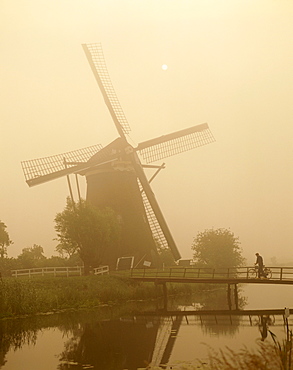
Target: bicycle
253,272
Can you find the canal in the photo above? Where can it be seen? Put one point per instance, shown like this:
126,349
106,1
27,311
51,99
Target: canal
131,336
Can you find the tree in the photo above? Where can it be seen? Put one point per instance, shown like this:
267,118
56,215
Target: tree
4,240
66,248
31,256
217,248
88,230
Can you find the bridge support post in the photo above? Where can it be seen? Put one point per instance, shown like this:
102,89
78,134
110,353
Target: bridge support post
229,292
229,297
165,295
236,296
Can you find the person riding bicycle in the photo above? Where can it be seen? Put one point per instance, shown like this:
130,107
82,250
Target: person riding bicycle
259,262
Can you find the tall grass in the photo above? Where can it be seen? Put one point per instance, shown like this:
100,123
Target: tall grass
26,296
42,294
267,356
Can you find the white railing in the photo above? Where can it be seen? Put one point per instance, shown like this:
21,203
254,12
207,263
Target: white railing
101,270
58,271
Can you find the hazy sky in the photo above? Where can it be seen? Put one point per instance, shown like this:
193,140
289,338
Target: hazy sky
230,64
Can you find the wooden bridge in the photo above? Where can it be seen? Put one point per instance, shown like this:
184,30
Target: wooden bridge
245,275
229,276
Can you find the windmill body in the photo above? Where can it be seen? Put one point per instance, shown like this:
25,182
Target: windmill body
114,184
115,175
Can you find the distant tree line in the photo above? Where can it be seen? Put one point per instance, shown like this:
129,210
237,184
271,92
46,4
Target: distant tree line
84,232
32,257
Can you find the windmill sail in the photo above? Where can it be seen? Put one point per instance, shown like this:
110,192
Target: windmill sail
38,171
156,229
95,56
154,205
177,142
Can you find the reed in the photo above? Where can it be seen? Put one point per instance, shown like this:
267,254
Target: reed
26,296
266,356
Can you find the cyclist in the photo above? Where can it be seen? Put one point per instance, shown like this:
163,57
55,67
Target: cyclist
259,262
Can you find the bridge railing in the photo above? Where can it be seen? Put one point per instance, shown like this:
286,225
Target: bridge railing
282,273
186,272
275,273
246,272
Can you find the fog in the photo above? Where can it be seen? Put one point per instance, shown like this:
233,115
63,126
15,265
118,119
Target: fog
229,64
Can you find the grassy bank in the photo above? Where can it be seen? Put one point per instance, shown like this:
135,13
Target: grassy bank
44,294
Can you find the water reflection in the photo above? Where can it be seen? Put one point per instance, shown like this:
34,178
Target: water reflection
135,335
264,322
14,334
115,344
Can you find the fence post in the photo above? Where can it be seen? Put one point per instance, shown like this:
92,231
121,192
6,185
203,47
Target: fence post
281,273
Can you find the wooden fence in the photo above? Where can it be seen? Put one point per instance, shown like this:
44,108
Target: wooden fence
58,271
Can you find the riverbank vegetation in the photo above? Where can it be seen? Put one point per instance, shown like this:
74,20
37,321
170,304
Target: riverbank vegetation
43,294
27,296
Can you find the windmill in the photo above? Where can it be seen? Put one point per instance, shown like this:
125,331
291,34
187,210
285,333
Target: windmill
115,175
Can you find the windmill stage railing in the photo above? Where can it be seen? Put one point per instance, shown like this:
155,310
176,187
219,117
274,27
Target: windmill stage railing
203,273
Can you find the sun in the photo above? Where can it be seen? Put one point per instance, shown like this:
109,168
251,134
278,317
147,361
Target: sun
164,67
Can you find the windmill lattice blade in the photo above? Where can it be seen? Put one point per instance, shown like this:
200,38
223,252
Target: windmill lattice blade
41,167
177,142
95,56
157,232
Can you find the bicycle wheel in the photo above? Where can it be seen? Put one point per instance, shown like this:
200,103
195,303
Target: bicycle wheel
268,273
252,273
